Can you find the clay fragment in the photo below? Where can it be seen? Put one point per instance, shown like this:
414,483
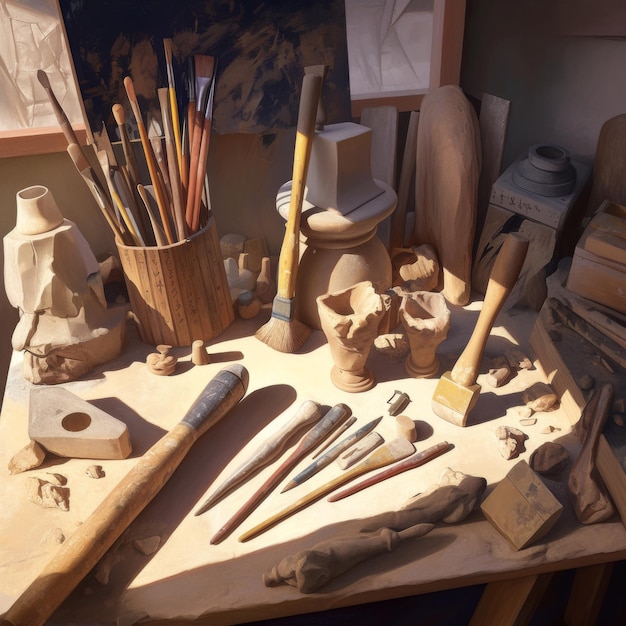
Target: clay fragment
394,345
52,537
95,471
57,479
30,456
47,495
510,441
519,412
540,397
148,545
103,570
549,458
499,373
199,355
549,429
423,273
528,421
161,363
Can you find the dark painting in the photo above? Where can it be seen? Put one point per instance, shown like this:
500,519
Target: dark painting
261,50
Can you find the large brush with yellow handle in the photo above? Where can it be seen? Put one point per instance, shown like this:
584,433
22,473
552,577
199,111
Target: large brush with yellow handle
82,551
457,392
283,332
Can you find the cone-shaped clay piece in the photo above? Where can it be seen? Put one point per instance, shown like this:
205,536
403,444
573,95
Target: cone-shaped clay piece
37,211
68,426
350,319
426,320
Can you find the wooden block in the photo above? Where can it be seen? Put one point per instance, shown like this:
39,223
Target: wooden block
521,507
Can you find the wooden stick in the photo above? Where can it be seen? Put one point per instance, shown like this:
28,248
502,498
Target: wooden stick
414,461
342,429
172,164
322,429
150,159
59,113
389,453
309,413
127,147
88,544
159,235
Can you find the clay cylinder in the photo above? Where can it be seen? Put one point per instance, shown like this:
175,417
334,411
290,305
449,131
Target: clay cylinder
178,293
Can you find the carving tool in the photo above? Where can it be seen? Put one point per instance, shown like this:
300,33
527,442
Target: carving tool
342,429
88,544
204,72
331,455
308,413
159,193
457,392
172,164
361,450
159,235
391,452
59,113
174,118
415,460
283,332
98,192
318,433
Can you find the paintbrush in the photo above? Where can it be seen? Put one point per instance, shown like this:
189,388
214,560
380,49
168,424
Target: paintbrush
103,159
129,154
283,332
159,193
309,413
391,452
331,455
457,392
171,84
421,458
342,429
59,113
172,166
198,186
101,197
204,73
319,432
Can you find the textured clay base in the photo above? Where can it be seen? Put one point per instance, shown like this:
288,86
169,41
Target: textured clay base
351,381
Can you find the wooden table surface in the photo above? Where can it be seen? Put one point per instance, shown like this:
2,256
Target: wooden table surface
222,584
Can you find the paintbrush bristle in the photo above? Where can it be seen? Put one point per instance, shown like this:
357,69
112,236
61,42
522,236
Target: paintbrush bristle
42,77
283,335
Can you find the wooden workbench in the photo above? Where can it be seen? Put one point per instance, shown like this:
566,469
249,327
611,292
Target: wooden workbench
187,578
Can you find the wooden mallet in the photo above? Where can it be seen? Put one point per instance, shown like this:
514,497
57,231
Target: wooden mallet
80,553
457,392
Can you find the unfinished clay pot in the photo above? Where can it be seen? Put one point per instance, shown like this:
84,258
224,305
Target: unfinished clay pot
426,320
350,319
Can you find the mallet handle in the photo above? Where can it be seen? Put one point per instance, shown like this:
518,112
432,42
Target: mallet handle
80,553
503,277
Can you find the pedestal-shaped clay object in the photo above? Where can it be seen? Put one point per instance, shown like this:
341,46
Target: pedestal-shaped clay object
53,278
350,319
426,320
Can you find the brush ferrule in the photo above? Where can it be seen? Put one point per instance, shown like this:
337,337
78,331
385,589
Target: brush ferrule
282,308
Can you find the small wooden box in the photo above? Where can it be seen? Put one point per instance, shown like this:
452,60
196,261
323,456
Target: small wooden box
598,270
521,507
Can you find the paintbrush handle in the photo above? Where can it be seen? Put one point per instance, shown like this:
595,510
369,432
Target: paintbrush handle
308,413
159,235
309,441
503,277
305,132
127,147
414,461
389,453
150,159
59,113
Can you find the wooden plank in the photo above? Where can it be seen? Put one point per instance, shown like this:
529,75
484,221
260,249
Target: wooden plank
406,187
587,594
493,123
383,121
510,602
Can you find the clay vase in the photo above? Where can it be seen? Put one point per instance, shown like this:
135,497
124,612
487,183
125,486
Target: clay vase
350,320
426,319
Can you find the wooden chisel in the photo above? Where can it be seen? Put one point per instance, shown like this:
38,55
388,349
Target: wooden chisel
309,413
318,433
391,452
331,455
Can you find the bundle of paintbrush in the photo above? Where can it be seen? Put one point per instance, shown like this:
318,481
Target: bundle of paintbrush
176,156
